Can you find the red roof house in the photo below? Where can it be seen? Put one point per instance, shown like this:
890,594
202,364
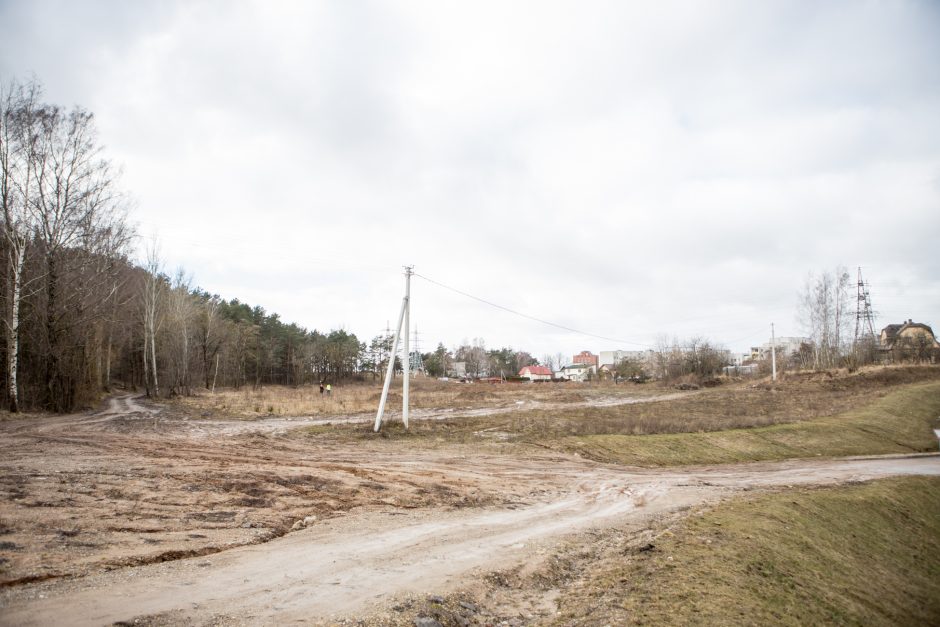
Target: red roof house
536,373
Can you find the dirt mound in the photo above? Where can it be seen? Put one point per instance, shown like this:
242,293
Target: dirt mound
841,380
883,377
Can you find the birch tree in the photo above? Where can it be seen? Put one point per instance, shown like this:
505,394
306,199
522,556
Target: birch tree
149,301
180,315
79,222
18,105
825,316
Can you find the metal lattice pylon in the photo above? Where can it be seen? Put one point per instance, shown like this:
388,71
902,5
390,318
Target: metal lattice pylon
864,316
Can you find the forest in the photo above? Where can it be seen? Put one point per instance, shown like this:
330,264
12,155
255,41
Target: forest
79,315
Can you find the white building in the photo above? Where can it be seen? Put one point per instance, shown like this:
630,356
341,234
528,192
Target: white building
739,359
576,372
785,346
612,358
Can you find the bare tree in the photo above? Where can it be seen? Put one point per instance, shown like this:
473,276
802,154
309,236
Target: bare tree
824,314
61,209
210,340
18,115
662,355
79,221
149,301
180,315
474,356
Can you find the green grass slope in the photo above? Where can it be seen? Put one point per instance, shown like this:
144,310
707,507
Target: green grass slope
864,554
901,422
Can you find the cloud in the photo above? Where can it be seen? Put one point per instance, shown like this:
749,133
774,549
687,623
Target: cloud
622,169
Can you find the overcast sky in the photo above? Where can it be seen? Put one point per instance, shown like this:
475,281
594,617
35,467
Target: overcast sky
625,169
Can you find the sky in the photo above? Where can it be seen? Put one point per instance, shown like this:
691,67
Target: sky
628,170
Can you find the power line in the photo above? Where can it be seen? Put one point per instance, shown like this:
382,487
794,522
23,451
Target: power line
749,336
533,318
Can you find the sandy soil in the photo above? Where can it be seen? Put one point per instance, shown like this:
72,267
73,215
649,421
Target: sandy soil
133,512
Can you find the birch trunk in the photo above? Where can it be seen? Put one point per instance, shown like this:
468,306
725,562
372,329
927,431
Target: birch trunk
18,259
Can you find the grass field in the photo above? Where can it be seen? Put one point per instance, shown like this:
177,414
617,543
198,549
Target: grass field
863,554
901,422
279,400
879,412
876,411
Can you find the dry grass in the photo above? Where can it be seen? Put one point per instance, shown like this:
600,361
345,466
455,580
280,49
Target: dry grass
881,410
878,412
739,406
864,554
901,422
735,406
358,398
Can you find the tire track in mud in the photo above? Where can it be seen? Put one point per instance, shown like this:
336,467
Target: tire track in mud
346,566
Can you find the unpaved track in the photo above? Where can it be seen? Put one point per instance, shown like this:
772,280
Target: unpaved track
123,480
346,566
280,425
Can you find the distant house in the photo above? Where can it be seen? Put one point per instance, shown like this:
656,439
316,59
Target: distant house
909,340
915,331
536,373
576,372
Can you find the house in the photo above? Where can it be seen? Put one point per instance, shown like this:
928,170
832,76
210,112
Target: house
576,372
909,340
536,373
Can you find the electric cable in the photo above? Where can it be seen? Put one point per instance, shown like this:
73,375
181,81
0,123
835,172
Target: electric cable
533,318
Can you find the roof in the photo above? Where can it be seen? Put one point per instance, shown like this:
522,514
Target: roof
535,370
892,331
576,366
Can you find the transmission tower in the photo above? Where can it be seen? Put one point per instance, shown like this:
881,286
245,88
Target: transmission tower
417,364
864,316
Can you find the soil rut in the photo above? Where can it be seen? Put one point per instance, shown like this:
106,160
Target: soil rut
346,566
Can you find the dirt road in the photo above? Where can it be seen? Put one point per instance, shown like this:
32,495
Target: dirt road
134,512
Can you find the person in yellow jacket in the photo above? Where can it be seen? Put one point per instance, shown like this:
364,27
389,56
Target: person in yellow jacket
329,389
